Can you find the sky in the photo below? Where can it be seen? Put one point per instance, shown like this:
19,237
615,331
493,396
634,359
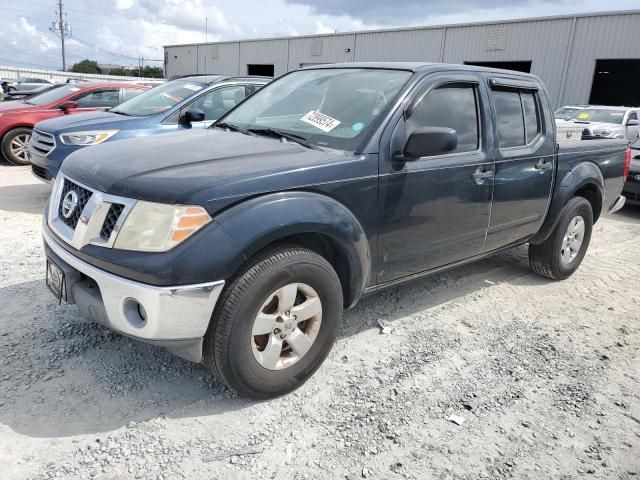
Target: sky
120,31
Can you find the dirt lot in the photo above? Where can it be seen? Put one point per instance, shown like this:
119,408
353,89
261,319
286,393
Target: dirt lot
545,375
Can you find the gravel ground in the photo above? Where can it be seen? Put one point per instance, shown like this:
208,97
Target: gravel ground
491,372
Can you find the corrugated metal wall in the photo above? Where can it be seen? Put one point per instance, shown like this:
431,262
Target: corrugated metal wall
562,50
604,37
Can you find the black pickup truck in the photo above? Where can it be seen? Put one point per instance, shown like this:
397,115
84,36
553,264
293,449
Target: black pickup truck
239,246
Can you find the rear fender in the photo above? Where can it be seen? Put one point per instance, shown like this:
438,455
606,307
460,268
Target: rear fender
585,174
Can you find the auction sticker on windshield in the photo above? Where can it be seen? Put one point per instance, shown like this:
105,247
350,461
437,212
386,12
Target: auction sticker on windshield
321,121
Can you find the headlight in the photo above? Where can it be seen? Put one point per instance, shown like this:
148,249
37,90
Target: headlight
158,227
87,138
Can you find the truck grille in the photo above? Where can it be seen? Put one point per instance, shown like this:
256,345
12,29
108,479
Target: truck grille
111,220
42,143
83,195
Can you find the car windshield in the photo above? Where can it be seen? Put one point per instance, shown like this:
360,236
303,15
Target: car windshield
565,113
159,98
53,95
330,107
600,116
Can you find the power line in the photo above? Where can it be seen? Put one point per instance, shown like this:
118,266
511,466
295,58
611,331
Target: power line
108,52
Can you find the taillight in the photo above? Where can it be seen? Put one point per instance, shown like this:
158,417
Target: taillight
627,164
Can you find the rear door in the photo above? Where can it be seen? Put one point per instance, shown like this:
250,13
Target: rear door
525,160
435,210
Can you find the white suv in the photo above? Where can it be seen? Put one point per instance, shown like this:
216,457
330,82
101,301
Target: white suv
608,122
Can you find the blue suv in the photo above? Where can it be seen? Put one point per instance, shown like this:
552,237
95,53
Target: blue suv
187,102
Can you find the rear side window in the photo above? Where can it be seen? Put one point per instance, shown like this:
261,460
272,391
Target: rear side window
451,107
128,93
517,117
97,99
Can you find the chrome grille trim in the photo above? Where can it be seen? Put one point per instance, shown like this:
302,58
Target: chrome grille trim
41,143
92,217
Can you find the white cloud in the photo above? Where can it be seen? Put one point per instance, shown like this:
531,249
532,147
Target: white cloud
139,28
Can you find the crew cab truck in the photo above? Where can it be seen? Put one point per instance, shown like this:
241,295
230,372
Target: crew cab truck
240,245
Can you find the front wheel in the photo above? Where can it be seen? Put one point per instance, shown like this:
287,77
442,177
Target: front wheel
562,253
14,146
275,323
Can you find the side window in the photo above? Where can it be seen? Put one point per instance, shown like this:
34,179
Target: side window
96,99
453,107
128,93
217,102
633,116
517,117
253,88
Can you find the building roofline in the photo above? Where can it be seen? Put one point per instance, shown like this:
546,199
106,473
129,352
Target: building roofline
418,27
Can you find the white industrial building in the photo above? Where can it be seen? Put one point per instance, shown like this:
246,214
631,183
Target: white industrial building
587,58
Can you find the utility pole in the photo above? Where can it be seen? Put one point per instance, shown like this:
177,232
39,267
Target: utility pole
61,27
61,24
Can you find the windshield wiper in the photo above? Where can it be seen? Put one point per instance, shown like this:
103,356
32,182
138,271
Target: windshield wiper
272,132
119,112
229,126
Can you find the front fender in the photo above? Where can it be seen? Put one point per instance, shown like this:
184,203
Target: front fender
261,221
582,175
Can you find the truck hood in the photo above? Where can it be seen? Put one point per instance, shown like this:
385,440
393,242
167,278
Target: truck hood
86,121
200,166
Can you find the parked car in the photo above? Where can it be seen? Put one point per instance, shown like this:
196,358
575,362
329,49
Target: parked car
19,95
18,118
567,112
631,188
607,122
185,103
28,85
240,245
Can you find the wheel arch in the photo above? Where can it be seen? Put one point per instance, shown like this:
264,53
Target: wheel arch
306,219
584,180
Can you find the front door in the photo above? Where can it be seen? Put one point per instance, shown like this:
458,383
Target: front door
435,210
525,165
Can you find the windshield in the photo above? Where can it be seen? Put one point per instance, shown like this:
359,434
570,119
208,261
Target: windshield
565,113
159,98
600,116
330,107
53,95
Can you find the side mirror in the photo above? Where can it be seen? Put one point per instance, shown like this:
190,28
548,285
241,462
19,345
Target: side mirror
429,141
192,115
68,105
632,123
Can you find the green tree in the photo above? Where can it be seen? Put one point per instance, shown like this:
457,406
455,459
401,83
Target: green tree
86,66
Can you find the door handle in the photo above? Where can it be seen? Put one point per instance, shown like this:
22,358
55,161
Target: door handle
481,174
544,164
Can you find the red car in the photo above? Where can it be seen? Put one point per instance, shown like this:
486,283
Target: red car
18,118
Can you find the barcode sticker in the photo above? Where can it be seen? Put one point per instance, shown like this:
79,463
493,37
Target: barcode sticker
321,121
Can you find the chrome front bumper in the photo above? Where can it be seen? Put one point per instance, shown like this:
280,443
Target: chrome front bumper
173,317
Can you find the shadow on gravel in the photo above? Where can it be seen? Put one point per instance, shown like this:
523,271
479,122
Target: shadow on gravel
28,198
63,375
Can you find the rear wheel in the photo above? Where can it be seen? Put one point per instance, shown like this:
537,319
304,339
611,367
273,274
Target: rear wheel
14,146
275,323
562,253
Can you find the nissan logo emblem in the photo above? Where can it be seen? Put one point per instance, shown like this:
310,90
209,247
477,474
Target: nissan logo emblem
69,204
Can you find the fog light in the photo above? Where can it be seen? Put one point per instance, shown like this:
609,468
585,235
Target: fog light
135,313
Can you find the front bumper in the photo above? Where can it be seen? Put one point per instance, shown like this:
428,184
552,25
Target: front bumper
173,317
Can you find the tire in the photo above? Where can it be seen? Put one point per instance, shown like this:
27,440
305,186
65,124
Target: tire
559,256
241,355
11,149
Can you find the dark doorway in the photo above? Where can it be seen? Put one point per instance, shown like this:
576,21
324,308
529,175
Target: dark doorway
523,66
260,69
615,82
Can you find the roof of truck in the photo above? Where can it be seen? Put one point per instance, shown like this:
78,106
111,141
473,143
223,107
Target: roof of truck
419,67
